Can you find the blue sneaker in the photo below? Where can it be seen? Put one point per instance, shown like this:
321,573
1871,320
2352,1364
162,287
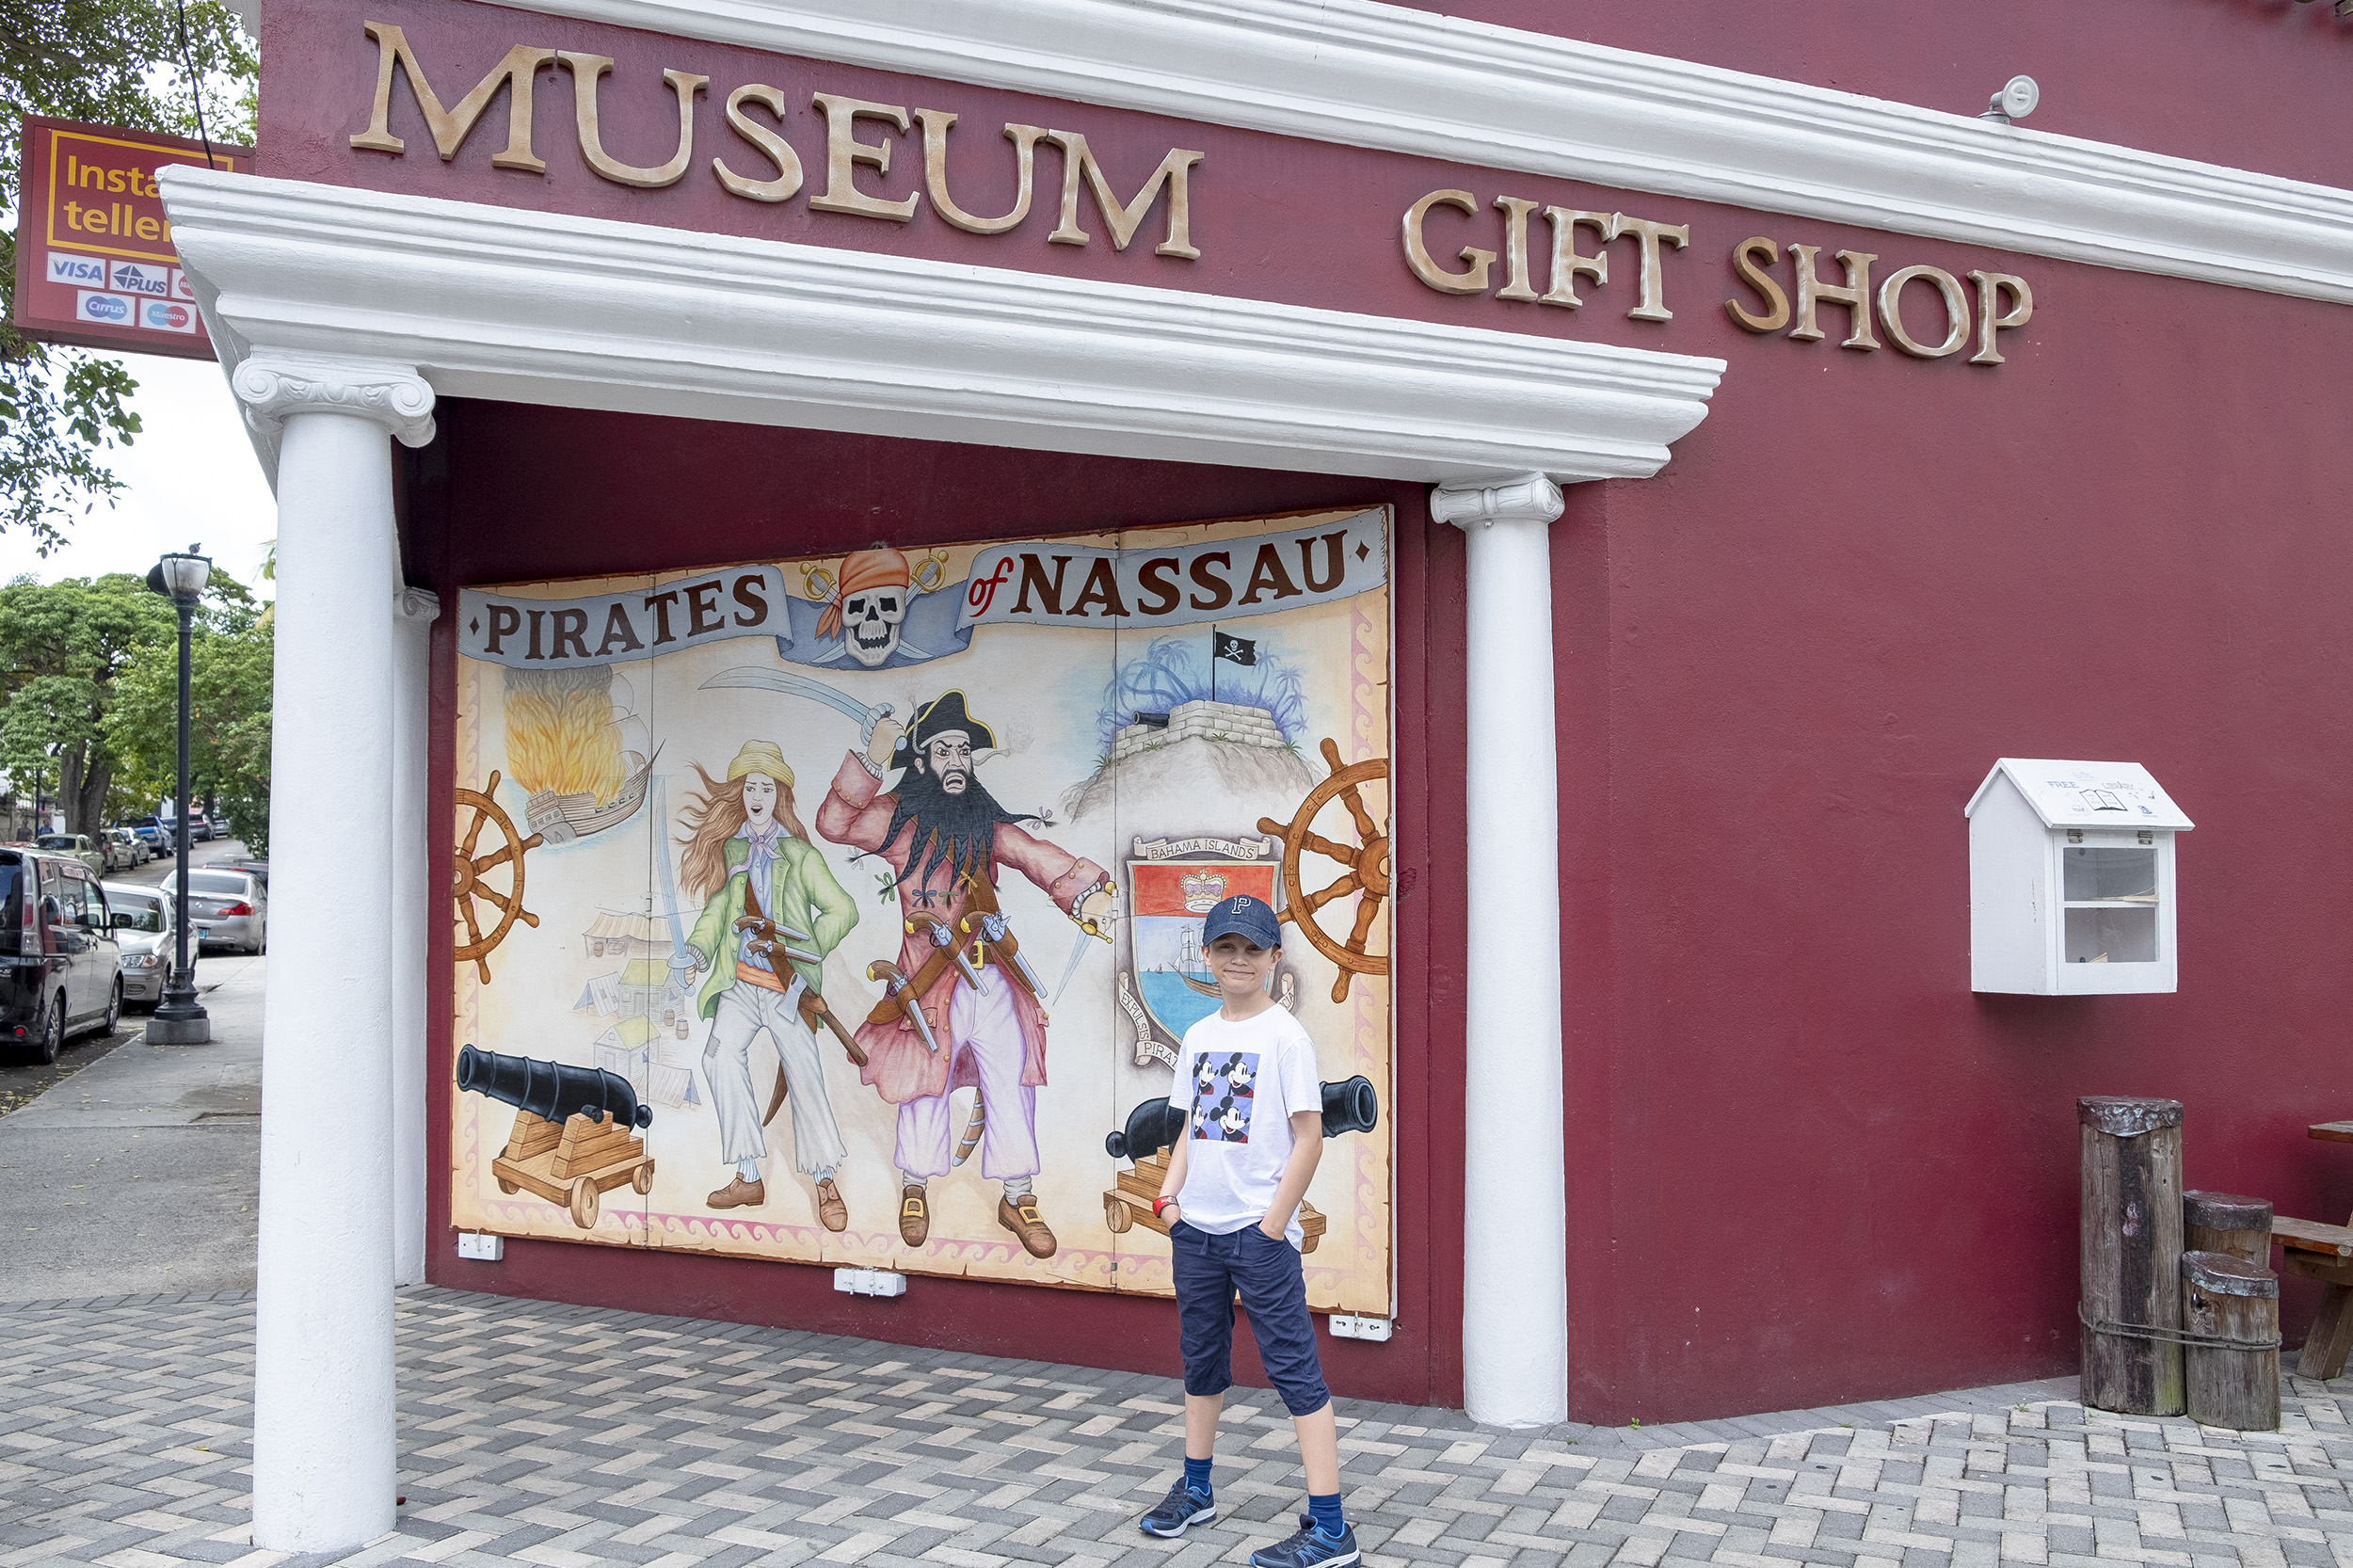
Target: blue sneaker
1182,1506
1309,1548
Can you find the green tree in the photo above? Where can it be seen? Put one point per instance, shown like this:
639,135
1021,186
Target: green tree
63,646
118,62
228,701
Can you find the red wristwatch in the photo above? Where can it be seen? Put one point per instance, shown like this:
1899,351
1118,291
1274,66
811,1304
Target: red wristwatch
1159,1204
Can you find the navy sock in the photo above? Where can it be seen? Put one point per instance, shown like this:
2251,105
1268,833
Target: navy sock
1326,1511
1197,1476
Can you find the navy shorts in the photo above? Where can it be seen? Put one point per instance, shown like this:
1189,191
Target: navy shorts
1209,1270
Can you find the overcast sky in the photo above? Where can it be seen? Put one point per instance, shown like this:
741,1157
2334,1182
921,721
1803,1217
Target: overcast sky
190,476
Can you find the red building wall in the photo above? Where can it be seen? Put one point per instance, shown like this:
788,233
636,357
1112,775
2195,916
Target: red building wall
2232,82
1805,1163
1808,1163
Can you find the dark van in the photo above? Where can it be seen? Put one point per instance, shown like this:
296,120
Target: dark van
60,966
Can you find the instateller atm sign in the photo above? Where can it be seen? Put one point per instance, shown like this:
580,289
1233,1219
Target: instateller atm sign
95,262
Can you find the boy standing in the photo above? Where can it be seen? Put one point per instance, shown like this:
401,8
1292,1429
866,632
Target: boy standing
1252,1115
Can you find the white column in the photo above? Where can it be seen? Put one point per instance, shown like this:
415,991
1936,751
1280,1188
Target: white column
411,909
323,1434
1515,1353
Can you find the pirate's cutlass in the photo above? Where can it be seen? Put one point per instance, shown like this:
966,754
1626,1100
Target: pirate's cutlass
1079,950
758,679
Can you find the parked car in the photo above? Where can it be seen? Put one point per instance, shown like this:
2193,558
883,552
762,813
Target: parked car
260,869
60,963
228,909
152,833
199,828
142,924
123,850
79,846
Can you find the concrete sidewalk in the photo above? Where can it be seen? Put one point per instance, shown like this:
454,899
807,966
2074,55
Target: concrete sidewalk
142,1170
564,1436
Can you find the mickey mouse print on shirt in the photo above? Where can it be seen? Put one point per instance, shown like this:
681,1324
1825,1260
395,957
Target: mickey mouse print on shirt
1224,1097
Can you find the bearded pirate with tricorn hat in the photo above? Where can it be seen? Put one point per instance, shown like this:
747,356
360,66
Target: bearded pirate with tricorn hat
961,1006
771,911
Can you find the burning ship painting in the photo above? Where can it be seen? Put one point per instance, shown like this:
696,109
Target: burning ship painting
569,734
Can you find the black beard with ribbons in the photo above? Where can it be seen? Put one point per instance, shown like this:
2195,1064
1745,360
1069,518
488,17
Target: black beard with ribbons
959,830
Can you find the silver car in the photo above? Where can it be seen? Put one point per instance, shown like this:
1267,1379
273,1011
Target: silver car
142,917
228,909
123,850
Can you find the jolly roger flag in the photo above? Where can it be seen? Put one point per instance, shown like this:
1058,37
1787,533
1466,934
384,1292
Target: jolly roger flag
1240,650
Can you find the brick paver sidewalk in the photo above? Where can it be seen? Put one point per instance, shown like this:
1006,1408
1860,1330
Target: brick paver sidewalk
564,1437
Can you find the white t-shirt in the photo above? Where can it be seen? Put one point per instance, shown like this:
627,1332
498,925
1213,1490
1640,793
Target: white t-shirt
1238,1085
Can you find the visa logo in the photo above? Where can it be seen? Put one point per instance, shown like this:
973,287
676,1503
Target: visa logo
103,307
77,271
137,278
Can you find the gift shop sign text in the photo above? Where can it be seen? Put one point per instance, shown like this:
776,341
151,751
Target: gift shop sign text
1504,267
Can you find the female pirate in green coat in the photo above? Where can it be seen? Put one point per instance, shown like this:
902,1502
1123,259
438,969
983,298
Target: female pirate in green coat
748,855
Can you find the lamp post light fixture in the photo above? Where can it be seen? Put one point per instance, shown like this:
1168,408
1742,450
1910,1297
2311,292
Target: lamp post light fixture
179,1018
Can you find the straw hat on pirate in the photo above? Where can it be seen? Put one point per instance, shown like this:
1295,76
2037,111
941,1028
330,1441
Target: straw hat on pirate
762,757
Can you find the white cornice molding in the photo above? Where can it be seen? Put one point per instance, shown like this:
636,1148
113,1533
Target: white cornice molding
584,312
1370,75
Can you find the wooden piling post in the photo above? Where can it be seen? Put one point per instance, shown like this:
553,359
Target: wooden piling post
2236,1383
2131,1248
2228,1223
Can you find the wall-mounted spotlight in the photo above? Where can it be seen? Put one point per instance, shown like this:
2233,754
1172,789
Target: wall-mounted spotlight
2016,100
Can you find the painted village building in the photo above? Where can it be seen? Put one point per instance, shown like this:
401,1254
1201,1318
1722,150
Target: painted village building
1569,501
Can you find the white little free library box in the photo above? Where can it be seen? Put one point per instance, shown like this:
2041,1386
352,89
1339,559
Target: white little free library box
2070,879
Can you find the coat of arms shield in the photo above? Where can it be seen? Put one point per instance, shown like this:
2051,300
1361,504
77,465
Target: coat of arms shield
1168,901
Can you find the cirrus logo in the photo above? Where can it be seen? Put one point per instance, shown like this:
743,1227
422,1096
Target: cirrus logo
106,306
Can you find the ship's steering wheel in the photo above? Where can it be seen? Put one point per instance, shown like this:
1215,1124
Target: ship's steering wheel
469,870
1367,862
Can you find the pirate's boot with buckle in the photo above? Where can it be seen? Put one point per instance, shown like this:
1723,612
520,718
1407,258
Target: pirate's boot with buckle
831,1211
1021,1218
915,1215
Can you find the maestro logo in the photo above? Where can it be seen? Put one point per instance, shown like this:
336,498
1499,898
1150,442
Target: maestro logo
105,306
166,317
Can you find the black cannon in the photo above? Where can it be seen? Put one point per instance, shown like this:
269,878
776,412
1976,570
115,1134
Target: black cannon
549,1090
1349,1106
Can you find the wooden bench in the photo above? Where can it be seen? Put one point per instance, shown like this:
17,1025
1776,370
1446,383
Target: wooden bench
2311,1236
2324,1253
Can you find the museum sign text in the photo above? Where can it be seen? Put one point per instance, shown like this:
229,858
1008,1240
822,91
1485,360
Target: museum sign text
766,167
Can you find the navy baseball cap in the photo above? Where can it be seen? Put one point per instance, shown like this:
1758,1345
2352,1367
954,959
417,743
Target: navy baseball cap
1245,917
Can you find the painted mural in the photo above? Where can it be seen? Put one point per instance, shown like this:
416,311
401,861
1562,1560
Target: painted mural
847,910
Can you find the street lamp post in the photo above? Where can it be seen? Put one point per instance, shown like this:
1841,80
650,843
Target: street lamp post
179,1018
